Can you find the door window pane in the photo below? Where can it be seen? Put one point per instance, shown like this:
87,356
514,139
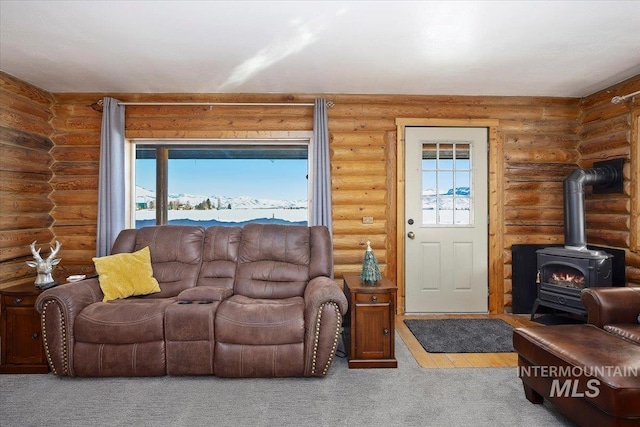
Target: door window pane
446,183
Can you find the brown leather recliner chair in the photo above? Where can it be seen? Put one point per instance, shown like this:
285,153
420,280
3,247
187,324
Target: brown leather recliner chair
251,301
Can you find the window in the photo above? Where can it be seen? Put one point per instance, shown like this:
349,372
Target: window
219,183
446,183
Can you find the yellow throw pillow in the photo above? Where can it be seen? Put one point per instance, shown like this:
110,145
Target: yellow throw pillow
126,274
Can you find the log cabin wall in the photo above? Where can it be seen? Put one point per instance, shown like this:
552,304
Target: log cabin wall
25,207
606,132
538,137
543,139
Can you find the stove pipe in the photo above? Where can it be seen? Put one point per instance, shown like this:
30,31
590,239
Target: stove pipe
574,215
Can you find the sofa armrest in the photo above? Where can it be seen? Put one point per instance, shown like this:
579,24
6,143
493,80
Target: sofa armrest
58,308
322,289
205,293
324,306
606,306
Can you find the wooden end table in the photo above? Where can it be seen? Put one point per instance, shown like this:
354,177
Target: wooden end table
21,347
369,324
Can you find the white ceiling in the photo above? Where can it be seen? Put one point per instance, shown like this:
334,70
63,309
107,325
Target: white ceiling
529,48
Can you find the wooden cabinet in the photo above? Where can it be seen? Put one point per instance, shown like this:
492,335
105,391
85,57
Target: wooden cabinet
21,348
369,331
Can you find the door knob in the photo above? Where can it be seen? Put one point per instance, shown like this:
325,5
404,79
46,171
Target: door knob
411,235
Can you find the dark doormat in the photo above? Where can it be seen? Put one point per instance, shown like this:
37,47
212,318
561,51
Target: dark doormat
559,319
462,335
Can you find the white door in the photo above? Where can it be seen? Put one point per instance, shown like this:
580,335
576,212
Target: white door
446,241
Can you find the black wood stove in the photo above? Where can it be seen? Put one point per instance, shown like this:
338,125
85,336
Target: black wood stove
563,272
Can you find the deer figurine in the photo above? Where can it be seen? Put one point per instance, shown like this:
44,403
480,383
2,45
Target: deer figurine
44,267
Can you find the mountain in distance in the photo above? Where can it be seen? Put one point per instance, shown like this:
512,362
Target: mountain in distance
459,191
144,196
429,198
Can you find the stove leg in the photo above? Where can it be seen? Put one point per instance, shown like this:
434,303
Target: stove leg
535,308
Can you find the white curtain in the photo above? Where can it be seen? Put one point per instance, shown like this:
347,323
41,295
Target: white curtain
111,181
321,168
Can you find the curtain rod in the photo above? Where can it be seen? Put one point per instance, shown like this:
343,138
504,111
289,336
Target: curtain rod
330,104
619,99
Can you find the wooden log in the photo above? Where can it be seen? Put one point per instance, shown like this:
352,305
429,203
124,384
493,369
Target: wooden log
532,229
76,247
74,197
617,239
616,153
76,168
17,269
358,168
24,139
75,214
604,112
74,230
603,128
607,221
24,221
614,206
25,90
360,153
66,182
355,256
76,138
604,96
25,122
13,204
514,239
24,186
197,122
354,182
25,106
24,159
552,155
15,243
357,212
550,215
604,143
358,197
543,142
357,227
353,241
65,124
541,200
352,139
76,154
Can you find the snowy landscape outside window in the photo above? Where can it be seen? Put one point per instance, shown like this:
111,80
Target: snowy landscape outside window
446,184
223,184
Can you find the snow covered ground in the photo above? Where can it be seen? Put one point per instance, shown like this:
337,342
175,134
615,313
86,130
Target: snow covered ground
228,215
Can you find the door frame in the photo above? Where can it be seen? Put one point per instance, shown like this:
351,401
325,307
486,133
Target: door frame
496,212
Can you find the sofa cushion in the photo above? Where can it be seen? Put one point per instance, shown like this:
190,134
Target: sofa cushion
127,274
176,254
627,332
219,256
243,320
273,261
205,293
129,321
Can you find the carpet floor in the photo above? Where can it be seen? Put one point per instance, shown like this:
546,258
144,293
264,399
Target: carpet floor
462,335
407,396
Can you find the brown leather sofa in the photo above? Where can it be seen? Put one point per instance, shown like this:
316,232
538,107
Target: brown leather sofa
256,301
590,372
